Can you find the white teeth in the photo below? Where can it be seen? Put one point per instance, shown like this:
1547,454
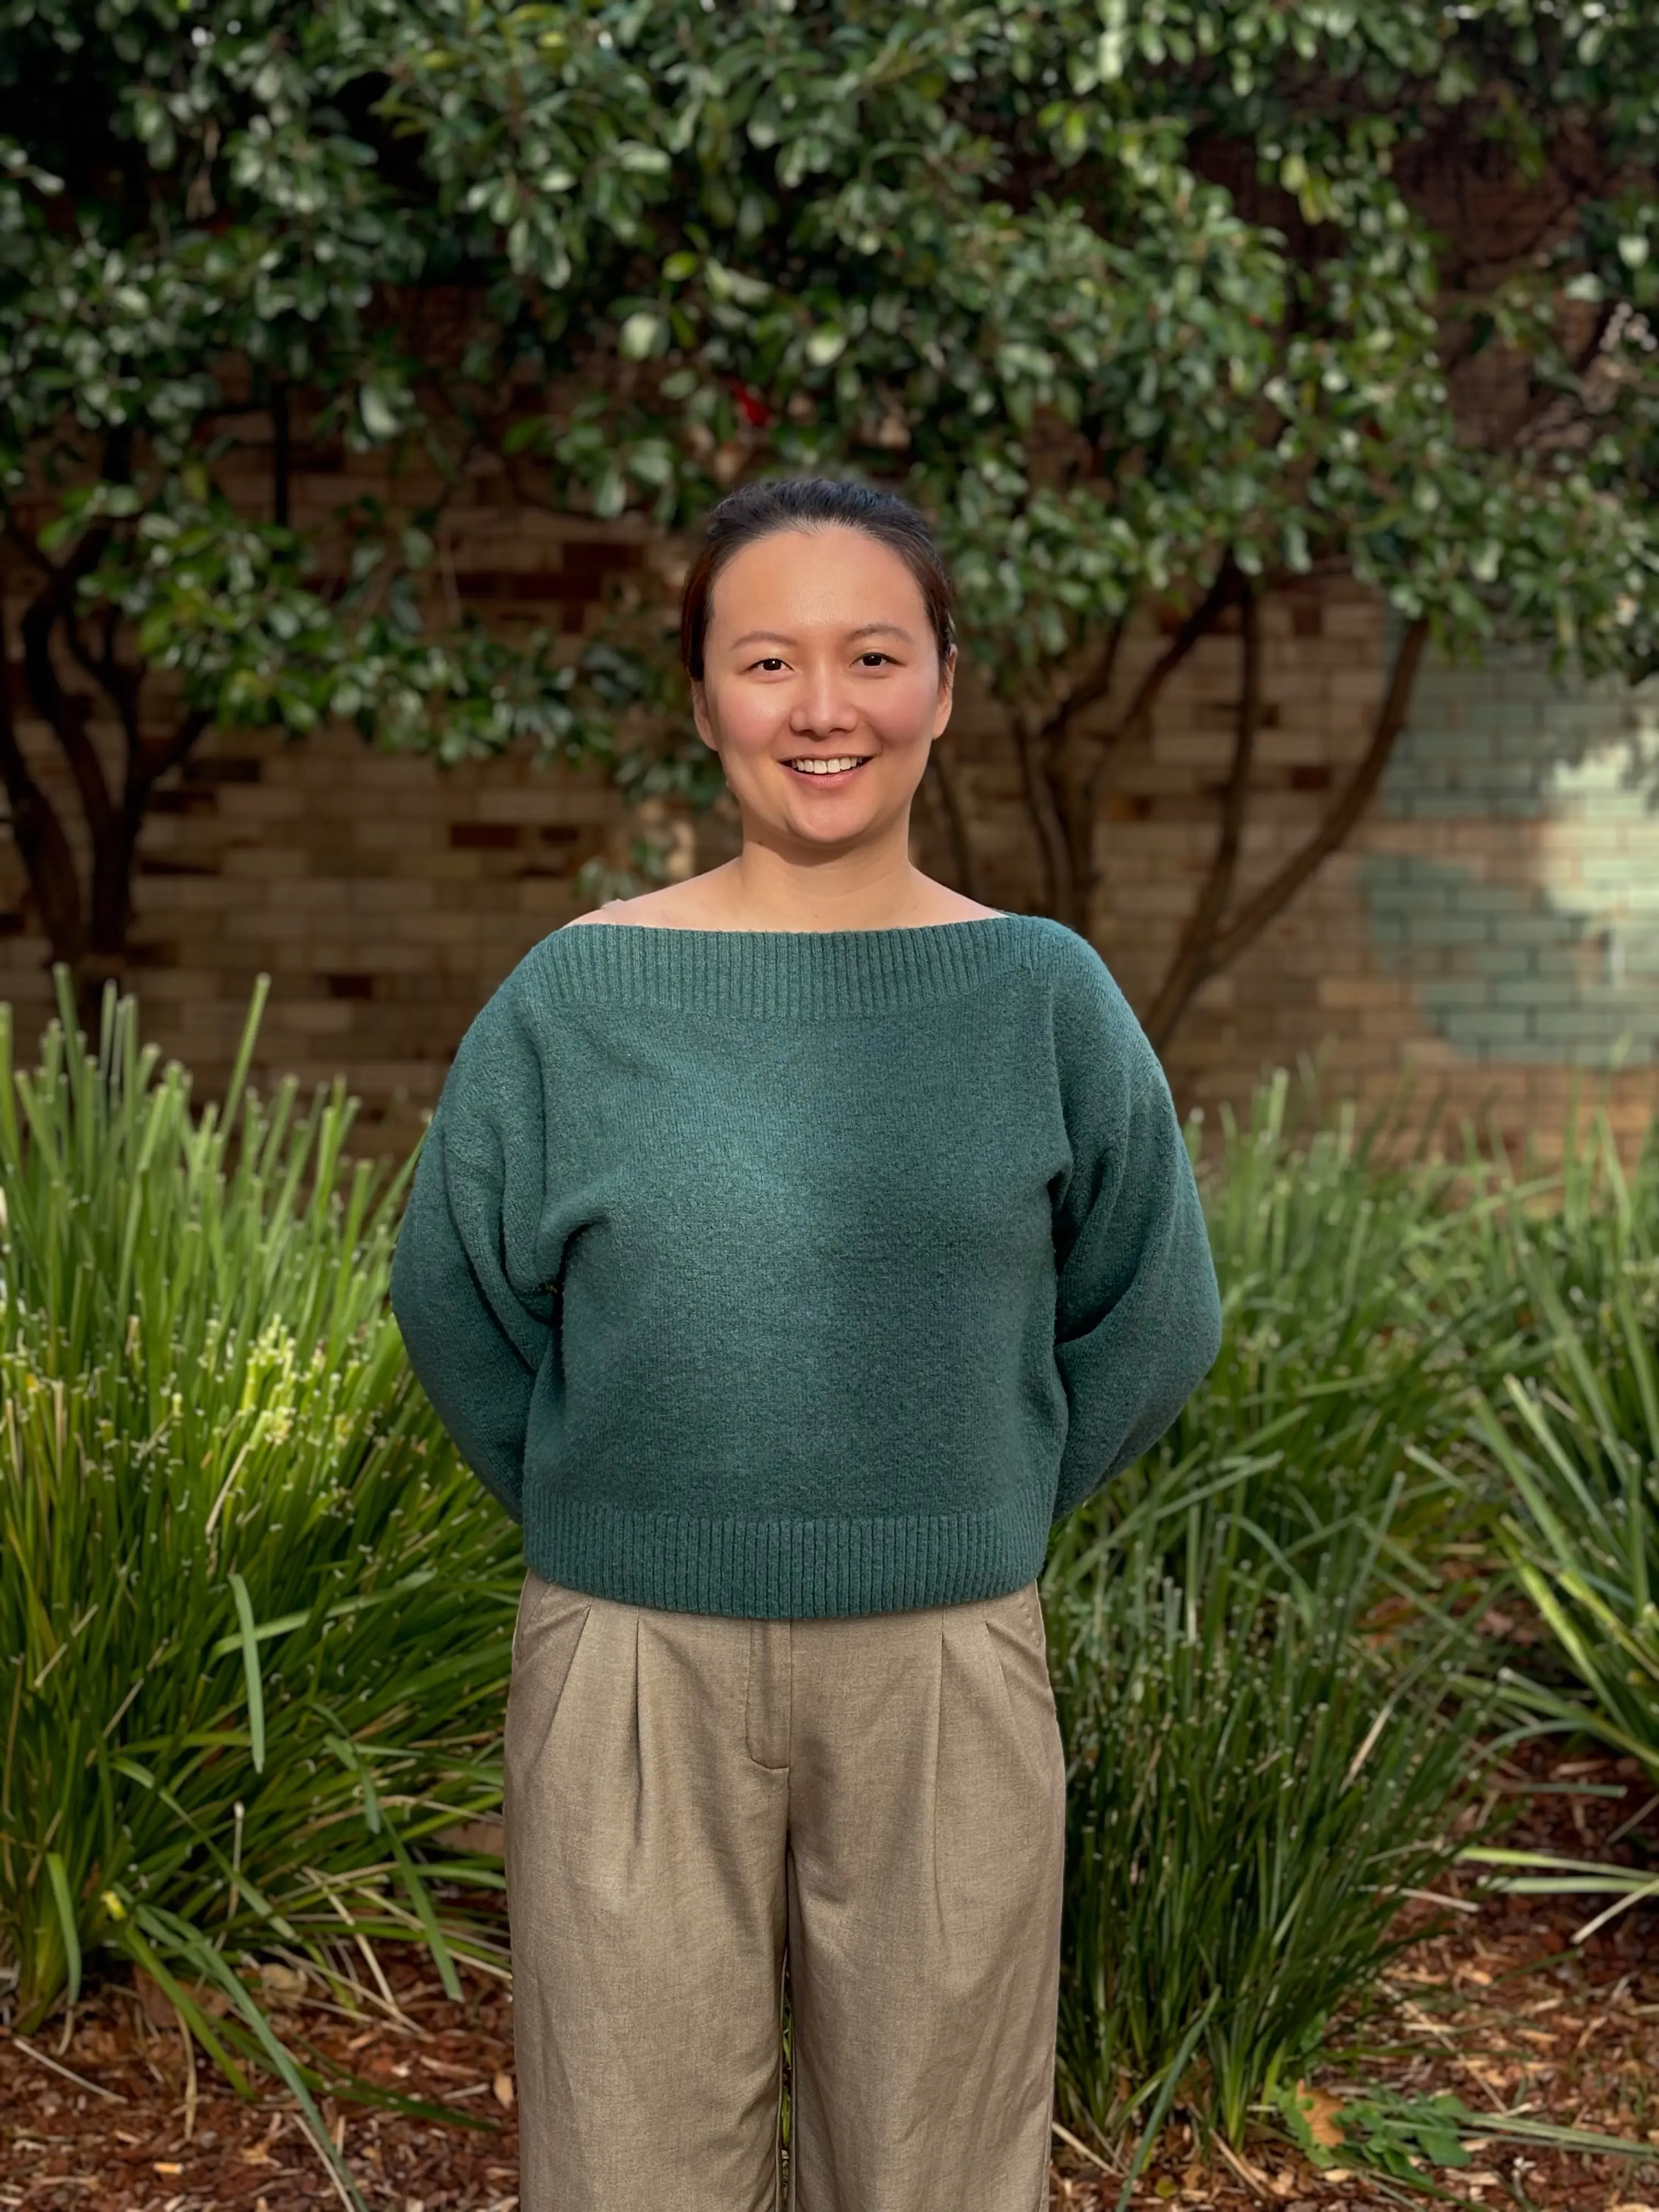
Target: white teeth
826,767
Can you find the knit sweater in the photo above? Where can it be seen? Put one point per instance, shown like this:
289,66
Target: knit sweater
785,1273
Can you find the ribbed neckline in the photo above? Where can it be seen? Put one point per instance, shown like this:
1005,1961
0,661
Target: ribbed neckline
786,973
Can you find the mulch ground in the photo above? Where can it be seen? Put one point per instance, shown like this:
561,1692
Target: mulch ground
104,2113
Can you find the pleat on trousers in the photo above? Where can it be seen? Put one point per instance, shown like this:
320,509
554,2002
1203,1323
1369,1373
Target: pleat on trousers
694,1803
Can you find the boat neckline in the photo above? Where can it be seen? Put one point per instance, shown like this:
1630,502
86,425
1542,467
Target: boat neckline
885,929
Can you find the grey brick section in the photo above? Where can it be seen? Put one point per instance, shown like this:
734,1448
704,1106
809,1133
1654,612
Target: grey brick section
1543,945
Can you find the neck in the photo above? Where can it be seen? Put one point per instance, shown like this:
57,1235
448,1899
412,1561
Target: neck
762,889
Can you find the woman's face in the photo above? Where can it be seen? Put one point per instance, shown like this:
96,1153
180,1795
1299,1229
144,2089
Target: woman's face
819,649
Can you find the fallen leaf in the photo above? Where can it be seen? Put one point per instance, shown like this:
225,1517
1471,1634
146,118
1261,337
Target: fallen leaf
1323,2113
283,1984
503,2086
484,1836
158,2005
167,2166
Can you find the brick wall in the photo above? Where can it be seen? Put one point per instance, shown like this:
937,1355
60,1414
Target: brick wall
1513,877
1495,923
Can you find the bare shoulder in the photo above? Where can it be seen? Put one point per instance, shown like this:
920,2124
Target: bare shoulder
650,907
613,910
943,904
696,904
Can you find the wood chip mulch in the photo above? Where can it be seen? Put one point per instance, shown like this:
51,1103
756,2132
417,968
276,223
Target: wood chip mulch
104,2113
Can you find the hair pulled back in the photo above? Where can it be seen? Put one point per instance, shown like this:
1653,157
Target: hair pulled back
763,509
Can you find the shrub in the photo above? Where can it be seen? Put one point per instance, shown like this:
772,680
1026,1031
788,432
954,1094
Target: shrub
255,1617
1574,1435
1257,1777
1361,1299
1258,1670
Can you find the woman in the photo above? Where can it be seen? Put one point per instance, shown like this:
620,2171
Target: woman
790,1248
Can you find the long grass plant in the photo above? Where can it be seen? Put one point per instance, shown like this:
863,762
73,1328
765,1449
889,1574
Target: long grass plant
253,1614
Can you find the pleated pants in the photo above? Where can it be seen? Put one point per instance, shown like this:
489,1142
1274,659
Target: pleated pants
697,1807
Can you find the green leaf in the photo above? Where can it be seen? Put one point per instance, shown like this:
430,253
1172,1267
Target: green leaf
642,160
64,1903
379,411
610,497
250,1645
520,436
642,333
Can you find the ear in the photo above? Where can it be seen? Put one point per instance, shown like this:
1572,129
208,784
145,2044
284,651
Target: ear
700,714
947,686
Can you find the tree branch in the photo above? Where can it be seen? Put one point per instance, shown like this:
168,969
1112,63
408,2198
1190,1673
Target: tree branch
281,454
943,784
1192,963
1277,893
1063,808
55,602
1536,406
1077,804
1202,619
148,767
67,716
1088,689
44,848
121,686
1057,887
1091,789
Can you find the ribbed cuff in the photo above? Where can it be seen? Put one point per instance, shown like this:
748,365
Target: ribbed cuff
773,1569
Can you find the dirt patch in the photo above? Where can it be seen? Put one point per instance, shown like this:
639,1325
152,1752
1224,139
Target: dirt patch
1502,2009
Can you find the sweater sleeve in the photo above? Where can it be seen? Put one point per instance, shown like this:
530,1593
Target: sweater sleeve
477,1318
1138,1315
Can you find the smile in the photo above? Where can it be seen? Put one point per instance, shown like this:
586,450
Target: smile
833,770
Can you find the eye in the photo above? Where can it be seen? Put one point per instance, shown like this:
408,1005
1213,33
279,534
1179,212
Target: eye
872,659
769,662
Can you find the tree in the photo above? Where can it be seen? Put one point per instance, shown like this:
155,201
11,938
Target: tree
1167,308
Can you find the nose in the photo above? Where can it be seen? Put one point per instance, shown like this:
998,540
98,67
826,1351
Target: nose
823,706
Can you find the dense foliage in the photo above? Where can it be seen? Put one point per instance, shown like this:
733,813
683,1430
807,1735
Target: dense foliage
1576,1436
252,1613
1171,307
1256,1782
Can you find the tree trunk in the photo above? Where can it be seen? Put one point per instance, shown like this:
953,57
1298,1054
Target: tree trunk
1061,773
87,924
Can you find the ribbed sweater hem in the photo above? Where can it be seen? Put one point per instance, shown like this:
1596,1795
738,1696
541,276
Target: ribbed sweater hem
781,1570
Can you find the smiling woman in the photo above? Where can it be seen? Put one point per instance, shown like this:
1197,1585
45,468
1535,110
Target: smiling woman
816,631
789,1250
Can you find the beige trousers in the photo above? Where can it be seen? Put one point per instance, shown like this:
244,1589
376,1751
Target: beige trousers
696,1805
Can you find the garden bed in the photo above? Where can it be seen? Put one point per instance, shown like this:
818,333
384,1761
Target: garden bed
1502,2009
262,1631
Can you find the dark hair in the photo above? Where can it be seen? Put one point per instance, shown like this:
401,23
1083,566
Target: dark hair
761,509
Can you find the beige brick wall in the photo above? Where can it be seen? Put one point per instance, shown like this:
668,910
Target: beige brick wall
386,897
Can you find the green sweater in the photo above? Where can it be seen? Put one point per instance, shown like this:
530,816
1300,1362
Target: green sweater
796,1272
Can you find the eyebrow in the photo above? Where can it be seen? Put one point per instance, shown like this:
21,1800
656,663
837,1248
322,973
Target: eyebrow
781,637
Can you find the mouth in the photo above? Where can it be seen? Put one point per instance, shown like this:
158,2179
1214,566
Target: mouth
832,768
